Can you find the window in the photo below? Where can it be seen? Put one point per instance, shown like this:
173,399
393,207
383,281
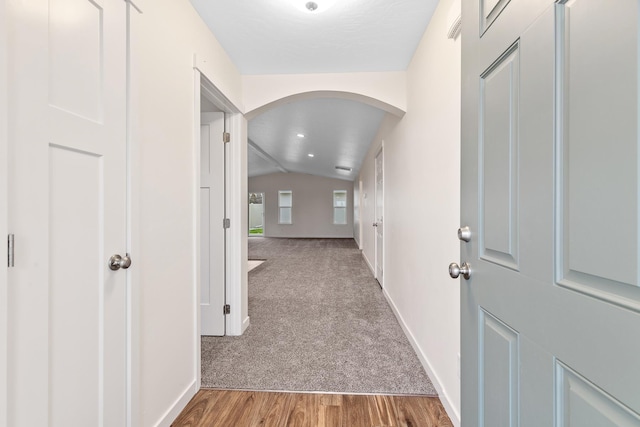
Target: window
340,207
285,202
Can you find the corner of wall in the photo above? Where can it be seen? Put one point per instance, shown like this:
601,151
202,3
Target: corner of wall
444,397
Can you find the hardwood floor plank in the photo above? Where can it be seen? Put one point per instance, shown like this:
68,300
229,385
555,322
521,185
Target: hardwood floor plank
271,409
356,411
226,408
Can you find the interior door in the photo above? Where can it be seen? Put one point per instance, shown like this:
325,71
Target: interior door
212,231
379,224
551,310
67,355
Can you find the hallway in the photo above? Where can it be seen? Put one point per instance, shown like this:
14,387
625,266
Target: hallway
319,322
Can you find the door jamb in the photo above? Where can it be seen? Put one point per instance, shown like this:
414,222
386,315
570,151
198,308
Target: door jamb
4,133
235,189
375,210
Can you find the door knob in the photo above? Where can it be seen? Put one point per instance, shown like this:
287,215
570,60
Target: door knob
464,234
116,262
455,271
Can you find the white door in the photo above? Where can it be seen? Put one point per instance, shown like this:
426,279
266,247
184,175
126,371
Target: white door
67,354
550,181
379,224
212,231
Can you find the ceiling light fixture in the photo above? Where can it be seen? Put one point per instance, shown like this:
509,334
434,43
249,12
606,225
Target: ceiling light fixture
300,135
344,168
314,6
310,155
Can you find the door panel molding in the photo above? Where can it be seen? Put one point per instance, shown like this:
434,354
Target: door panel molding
490,9
499,380
579,403
498,160
76,58
593,148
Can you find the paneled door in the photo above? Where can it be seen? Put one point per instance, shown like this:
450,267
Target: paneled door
212,231
67,355
550,163
379,216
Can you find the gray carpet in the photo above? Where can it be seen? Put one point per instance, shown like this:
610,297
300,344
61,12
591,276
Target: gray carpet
319,322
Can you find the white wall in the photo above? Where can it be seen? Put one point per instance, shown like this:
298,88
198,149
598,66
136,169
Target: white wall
312,211
385,90
167,35
422,191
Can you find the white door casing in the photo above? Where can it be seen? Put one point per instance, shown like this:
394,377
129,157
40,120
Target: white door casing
4,139
67,345
551,313
212,238
379,215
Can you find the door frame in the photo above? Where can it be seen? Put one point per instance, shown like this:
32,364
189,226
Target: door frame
4,134
375,214
235,207
210,124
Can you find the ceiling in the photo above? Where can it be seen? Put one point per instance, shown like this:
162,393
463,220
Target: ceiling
337,132
283,37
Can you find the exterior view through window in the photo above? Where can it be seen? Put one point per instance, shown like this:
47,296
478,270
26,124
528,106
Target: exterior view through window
256,214
285,204
339,207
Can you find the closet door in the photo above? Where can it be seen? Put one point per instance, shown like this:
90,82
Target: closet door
67,294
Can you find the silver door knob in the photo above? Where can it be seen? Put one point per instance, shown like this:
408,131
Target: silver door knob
455,270
116,262
464,234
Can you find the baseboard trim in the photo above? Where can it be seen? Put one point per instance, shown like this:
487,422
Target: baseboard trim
172,413
373,271
245,324
454,415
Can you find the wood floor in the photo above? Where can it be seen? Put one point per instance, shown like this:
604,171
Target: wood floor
275,409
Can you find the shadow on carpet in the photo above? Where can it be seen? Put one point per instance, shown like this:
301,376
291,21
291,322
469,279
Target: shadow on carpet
319,322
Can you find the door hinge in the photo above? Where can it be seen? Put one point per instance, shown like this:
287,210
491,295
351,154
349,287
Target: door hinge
10,239
226,137
226,309
226,223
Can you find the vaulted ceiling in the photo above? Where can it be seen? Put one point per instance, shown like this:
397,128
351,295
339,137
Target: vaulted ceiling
285,37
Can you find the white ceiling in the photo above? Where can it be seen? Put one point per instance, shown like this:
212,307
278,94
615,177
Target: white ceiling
277,37
337,132
282,37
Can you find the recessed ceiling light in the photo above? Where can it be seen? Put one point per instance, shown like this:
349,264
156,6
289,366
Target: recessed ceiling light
310,155
311,6
344,168
300,135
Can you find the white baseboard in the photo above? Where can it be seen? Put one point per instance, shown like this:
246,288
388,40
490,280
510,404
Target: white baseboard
373,271
245,324
454,415
172,413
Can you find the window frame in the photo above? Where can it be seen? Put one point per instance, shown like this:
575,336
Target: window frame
336,206
281,206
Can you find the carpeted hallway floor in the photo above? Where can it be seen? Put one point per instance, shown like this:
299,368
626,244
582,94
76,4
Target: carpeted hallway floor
319,322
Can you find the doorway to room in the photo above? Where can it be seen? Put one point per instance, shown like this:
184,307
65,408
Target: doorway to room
256,214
